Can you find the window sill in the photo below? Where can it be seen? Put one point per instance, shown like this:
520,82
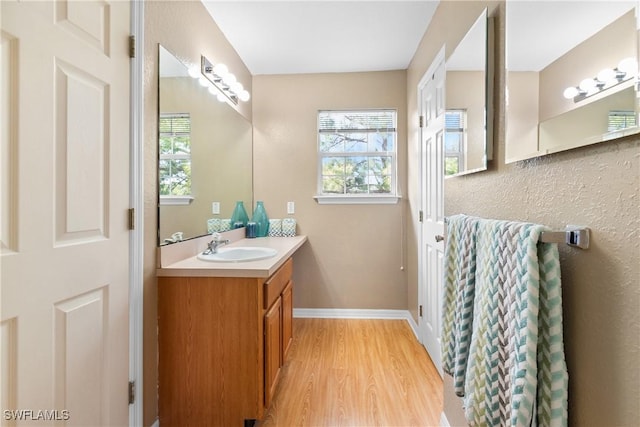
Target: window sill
357,200
175,200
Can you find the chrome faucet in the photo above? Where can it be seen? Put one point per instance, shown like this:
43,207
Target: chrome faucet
212,246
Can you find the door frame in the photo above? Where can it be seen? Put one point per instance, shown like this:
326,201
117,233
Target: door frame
136,202
422,274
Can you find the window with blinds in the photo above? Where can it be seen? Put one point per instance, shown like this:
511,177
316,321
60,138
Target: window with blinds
174,171
619,120
357,153
455,134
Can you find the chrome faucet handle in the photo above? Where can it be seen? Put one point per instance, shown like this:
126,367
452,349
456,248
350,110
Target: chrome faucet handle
212,246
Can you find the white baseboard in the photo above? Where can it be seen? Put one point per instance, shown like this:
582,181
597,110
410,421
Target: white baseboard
355,313
444,422
156,423
349,313
413,325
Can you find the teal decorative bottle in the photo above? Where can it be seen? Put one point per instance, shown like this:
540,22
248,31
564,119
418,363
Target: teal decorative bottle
239,216
261,220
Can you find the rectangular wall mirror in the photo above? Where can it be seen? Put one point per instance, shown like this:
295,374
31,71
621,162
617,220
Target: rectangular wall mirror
468,140
205,154
572,74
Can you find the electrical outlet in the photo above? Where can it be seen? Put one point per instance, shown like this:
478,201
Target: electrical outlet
291,208
215,208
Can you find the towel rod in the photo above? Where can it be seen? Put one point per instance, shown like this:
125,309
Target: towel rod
573,235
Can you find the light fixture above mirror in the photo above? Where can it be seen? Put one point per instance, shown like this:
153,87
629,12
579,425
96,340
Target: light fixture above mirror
220,81
606,79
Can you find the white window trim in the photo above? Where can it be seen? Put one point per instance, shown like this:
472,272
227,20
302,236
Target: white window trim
361,198
176,200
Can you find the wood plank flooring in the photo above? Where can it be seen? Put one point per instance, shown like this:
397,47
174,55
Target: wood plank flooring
352,372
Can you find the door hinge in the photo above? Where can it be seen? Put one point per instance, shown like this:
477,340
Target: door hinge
132,392
420,310
132,219
132,46
420,216
421,121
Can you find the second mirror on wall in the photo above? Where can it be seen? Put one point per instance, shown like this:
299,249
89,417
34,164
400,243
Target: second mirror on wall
468,77
572,70
205,154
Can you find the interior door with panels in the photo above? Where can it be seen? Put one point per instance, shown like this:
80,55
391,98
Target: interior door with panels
65,195
432,107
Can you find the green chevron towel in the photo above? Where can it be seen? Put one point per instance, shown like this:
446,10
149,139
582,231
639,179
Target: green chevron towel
515,370
459,291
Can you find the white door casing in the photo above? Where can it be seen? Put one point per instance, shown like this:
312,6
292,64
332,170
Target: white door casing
431,93
65,197
136,198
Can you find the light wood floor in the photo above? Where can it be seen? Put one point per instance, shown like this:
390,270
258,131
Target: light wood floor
352,372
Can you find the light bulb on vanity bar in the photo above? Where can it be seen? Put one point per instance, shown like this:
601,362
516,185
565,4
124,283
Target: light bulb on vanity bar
571,92
629,66
221,70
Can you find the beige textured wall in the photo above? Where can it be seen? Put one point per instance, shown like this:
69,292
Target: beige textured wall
354,253
596,186
186,29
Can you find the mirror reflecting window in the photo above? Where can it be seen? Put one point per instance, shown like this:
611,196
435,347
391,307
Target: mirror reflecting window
572,72
466,136
205,154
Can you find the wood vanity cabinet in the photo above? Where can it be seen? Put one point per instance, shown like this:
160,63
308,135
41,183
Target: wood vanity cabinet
278,325
222,342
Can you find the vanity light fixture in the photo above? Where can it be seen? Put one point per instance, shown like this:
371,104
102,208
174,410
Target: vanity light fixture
226,83
607,78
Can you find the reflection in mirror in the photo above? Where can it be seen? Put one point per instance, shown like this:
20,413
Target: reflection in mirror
466,135
205,154
572,73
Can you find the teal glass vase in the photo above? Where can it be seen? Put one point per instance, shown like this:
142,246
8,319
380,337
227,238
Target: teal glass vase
261,219
239,216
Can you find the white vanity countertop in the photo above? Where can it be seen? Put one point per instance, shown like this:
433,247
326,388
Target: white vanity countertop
194,267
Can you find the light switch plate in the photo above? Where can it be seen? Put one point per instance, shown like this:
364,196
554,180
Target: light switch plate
291,208
215,208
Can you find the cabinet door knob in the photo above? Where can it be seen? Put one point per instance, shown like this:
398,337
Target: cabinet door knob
439,238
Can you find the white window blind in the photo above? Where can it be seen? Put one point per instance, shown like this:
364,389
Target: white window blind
357,153
619,120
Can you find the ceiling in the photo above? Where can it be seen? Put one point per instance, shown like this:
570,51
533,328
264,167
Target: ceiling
320,36
305,36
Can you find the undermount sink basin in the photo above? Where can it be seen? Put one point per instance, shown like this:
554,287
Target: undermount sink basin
239,254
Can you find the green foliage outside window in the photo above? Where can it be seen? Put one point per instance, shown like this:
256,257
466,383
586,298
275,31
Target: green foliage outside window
357,152
174,169
451,165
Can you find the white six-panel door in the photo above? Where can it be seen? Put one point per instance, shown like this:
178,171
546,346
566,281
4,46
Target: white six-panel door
431,254
64,180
